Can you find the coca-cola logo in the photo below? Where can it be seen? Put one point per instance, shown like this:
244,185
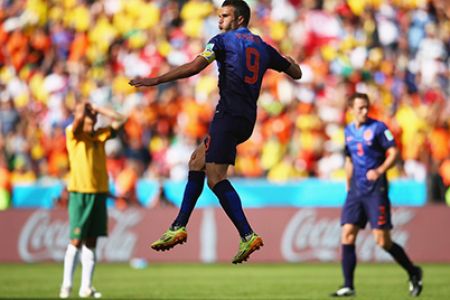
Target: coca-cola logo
309,237
45,238
42,239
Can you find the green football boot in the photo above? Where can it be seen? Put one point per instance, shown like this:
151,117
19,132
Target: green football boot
248,247
170,238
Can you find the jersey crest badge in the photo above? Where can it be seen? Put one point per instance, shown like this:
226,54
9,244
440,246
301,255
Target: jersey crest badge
368,135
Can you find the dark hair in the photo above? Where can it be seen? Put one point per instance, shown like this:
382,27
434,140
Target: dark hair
241,8
352,98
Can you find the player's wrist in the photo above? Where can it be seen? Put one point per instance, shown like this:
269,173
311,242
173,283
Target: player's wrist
94,107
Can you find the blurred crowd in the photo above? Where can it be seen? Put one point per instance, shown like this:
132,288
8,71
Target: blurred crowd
55,53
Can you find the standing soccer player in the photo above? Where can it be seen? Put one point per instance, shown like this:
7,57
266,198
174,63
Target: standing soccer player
370,151
242,58
88,188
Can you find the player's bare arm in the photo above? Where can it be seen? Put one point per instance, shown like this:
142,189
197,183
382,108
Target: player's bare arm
348,171
294,69
80,113
187,70
391,157
117,119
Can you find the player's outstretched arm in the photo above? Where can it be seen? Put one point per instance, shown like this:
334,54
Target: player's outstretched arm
294,69
192,68
79,114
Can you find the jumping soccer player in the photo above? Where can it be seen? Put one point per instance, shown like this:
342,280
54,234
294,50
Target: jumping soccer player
242,58
370,151
88,188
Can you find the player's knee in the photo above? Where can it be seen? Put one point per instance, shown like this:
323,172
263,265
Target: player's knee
213,178
384,243
197,159
348,239
76,243
212,182
196,164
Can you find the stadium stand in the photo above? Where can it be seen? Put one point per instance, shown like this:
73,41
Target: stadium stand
55,53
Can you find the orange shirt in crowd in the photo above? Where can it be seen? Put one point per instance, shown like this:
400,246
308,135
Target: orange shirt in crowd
439,143
78,47
444,171
5,178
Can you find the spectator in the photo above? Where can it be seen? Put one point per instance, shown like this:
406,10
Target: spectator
5,184
9,116
125,185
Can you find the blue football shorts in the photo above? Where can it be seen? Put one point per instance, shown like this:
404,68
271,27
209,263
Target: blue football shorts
374,208
225,133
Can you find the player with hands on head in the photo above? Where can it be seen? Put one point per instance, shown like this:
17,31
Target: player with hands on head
242,58
88,190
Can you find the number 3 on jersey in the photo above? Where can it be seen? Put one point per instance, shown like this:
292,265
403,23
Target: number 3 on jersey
252,64
360,150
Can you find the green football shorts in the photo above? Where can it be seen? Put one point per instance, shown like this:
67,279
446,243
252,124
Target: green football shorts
88,216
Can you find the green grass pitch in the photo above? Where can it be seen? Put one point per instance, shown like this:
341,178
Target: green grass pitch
223,281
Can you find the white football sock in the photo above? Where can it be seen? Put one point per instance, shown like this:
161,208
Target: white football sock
88,266
70,264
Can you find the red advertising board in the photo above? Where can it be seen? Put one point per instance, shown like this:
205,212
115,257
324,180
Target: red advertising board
290,235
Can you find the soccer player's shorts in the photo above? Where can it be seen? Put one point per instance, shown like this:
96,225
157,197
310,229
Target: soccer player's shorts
225,133
372,208
88,216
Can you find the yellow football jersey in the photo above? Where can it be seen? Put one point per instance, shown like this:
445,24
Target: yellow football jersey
87,159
